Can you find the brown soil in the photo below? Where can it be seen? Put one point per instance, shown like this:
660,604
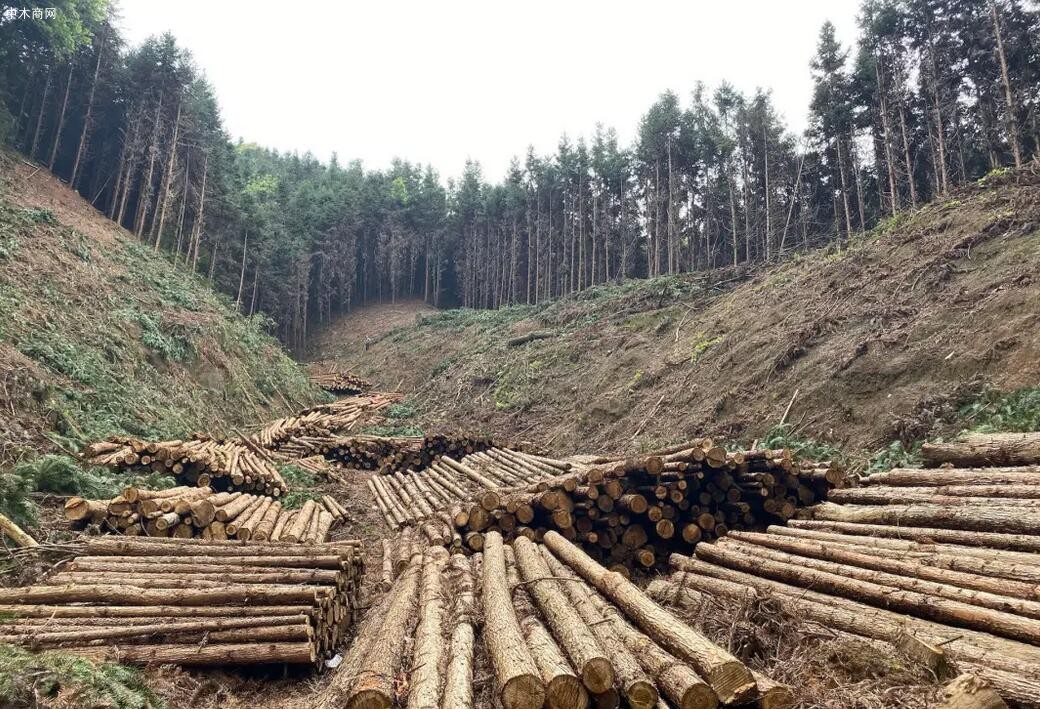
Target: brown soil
881,338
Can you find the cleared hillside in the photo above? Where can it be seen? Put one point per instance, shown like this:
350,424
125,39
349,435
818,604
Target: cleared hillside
101,335
881,338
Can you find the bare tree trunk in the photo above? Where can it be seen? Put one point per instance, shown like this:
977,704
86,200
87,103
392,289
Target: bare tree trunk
180,217
164,191
256,281
859,183
242,272
844,189
768,237
1012,117
198,222
61,122
39,117
906,157
883,106
144,198
87,117
944,181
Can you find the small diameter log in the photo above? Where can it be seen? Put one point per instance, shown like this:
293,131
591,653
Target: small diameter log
976,519
458,678
992,540
425,682
727,675
577,640
519,682
16,534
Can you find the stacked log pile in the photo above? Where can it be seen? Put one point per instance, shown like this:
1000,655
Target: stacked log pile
341,384
629,512
559,630
386,454
322,421
940,562
191,602
199,512
225,465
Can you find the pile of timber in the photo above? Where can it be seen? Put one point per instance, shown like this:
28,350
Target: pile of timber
225,465
191,602
629,512
341,384
199,512
559,630
322,421
385,454
942,563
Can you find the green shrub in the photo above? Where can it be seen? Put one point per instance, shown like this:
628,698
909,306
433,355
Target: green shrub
27,677
784,436
15,502
895,455
995,411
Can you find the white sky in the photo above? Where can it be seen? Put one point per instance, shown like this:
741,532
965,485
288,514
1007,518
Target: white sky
437,81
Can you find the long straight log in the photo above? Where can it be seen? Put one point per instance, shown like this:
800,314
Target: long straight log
1020,477
580,644
995,540
195,655
913,603
425,685
458,677
520,685
977,519
985,449
728,677
928,495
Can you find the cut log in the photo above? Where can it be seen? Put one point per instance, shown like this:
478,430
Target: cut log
458,681
994,540
577,640
519,682
16,534
970,692
728,677
977,519
984,450
425,685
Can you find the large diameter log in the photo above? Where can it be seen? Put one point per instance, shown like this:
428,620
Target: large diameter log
913,603
563,689
1016,477
579,642
985,449
425,686
373,688
931,496
994,540
727,675
978,519
637,687
519,682
458,677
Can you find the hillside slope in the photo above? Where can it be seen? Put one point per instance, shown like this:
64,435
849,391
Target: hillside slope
880,339
101,335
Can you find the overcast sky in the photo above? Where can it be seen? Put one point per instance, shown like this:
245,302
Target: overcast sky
437,81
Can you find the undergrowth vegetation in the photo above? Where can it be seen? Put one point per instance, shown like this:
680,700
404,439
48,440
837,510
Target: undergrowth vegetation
29,679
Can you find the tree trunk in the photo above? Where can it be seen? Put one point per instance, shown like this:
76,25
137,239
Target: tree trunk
39,118
969,692
61,122
87,118
887,133
996,540
425,681
197,223
144,197
15,533
980,519
164,190
944,182
1012,108
458,679
906,157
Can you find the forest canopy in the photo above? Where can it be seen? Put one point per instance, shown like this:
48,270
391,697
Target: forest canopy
934,93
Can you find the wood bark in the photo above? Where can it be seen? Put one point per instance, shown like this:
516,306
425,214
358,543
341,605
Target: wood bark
15,533
728,677
995,540
519,682
458,678
970,692
425,685
985,450
580,644
976,519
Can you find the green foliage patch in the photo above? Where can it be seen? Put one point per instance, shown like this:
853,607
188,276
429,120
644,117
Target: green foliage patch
1011,412
26,677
